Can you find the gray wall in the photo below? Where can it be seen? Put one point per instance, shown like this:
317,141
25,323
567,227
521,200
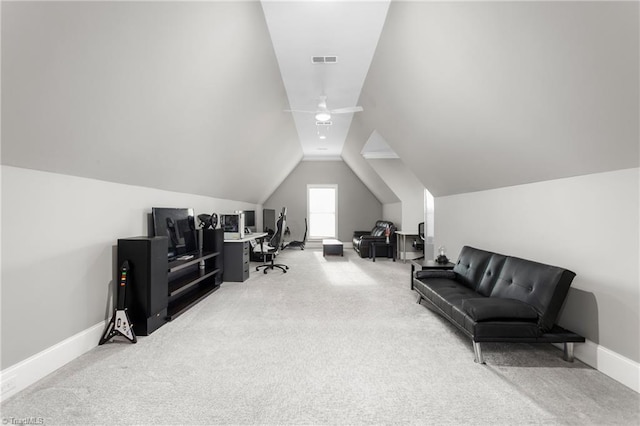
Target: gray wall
392,212
358,208
588,224
58,256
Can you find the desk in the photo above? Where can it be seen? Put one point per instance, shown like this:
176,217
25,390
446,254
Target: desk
236,257
402,254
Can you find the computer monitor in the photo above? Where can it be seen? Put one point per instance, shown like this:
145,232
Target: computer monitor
232,225
250,219
269,220
178,225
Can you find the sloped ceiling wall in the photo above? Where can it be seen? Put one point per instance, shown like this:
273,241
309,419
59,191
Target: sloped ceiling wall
182,96
407,187
188,96
480,95
351,154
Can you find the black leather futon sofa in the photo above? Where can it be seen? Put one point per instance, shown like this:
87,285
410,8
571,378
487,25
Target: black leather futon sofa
496,298
363,239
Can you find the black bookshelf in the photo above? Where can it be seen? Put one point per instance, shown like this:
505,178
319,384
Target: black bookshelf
159,290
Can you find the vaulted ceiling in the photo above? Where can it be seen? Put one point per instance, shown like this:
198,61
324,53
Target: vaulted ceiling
480,95
324,50
191,96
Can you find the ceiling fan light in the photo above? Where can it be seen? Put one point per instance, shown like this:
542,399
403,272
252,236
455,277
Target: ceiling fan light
323,116
322,132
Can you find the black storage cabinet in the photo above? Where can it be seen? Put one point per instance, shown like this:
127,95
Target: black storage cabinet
158,290
147,286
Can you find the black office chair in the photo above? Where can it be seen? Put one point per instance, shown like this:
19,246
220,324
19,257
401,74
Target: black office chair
419,245
299,244
269,251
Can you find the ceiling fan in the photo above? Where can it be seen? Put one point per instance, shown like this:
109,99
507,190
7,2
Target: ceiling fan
324,114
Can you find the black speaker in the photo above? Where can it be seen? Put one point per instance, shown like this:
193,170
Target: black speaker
147,286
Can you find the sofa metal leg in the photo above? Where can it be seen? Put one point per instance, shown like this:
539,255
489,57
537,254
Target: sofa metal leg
568,351
419,299
478,353
413,270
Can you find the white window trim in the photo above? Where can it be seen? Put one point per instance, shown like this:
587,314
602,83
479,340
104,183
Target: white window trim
334,186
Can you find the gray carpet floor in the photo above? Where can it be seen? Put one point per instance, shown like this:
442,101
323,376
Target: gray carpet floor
336,340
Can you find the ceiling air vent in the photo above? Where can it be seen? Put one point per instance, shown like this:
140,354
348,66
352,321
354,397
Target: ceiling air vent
324,59
324,123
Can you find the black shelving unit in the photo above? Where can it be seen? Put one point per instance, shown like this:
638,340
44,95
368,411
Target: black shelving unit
159,290
190,281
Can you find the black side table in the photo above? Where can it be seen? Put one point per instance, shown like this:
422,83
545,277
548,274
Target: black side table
428,264
389,247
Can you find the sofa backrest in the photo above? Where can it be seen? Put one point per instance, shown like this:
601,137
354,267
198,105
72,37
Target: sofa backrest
380,228
491,274
542,286
471,265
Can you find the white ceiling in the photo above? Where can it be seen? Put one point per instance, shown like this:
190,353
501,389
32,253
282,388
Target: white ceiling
300,30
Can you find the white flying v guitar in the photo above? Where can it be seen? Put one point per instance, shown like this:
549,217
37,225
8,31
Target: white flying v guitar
120,325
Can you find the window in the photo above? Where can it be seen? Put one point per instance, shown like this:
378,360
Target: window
322,208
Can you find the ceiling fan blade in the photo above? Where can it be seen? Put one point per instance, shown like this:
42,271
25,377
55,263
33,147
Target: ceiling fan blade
346,110
297,110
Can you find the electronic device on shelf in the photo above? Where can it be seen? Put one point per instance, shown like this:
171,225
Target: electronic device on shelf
179,226
208,220
232,225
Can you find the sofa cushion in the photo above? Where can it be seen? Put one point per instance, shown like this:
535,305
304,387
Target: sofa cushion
378,231
380,228
435,273
491,274
448,294
471,265
542,286
494,308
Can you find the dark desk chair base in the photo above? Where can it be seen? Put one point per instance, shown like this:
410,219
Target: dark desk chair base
275,265
294,244
272,265
298,244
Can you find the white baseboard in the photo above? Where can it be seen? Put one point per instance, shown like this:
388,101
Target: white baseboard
606,361
25,373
